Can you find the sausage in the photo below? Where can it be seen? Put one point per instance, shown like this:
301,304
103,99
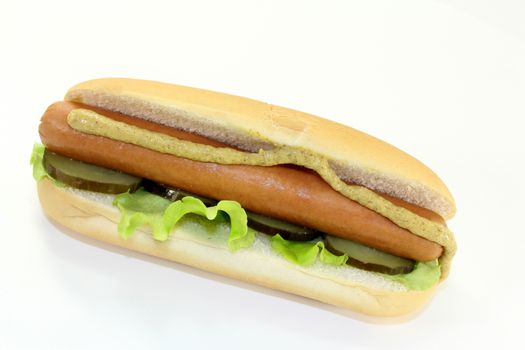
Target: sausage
287,192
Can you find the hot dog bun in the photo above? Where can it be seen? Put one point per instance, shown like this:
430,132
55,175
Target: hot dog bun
355,166
93,215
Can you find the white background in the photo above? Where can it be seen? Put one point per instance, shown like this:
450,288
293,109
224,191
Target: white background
443,80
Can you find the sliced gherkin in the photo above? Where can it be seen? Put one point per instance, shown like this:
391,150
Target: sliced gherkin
288,231
88,177
368,258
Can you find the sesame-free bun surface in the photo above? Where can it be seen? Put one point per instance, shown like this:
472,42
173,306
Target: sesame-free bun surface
93,215
251,125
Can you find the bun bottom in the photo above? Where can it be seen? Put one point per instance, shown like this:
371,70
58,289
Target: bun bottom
93,215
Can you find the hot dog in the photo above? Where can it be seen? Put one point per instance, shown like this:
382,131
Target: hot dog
290,192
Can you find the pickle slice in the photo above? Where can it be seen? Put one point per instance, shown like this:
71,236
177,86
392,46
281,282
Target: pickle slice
287,230
368,258
173,194
88,176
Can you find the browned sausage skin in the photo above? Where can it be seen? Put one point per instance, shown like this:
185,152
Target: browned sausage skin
287,192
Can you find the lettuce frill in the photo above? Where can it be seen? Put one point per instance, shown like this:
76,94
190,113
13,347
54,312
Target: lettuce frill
143,208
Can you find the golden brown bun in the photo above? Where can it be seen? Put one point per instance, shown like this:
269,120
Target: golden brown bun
249,124
93,215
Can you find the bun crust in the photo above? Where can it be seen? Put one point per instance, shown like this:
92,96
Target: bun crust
251,125
369,293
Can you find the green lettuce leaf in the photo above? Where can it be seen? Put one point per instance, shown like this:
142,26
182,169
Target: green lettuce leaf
301,253
37,157
305,253
240,236
143,208
424,276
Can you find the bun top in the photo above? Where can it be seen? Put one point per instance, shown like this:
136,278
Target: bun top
355,156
